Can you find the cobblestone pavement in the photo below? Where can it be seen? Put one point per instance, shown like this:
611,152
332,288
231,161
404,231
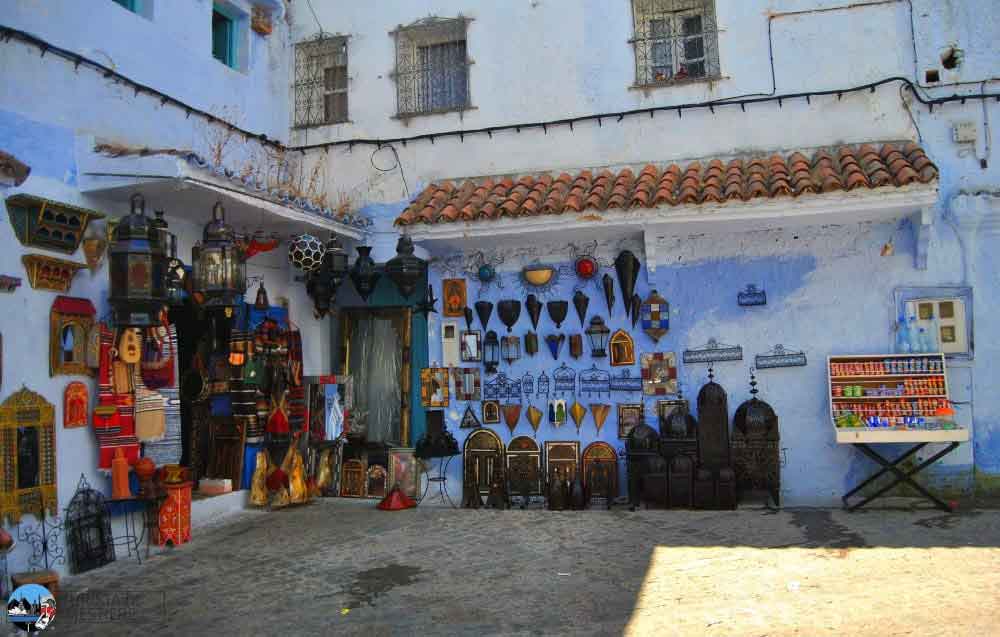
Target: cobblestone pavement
340,567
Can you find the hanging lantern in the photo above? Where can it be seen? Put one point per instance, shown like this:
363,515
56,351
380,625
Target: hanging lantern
322,283
483,311
175,273
262,302
404,269
218,268
598,333
491,352
510,348
306,252
137,269
509,310
336,259
364,273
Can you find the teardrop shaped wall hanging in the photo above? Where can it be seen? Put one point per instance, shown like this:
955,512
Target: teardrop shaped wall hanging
509,310
483,311
627,269
554,343
608,286
580,303
534,308
557,312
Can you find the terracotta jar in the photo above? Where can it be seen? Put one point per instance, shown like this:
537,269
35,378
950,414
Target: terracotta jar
119,476
144,470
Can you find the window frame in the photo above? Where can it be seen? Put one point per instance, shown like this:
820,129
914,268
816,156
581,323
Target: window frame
421,35
232,57
673,12
310,89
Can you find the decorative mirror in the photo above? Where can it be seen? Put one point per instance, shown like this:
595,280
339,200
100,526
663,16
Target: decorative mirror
524,468
557,412
600,473
659,373
404,471
434,386
471,350
353,479
375,487
467,383
28,448
70,322
491,412
481,455
622,349
563,455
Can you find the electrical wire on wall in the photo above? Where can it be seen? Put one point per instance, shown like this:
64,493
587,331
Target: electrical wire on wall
398,164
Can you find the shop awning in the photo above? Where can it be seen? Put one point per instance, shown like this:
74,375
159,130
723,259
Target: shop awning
847,184
191,185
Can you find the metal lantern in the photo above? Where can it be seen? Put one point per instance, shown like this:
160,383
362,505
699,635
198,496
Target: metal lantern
137,269
510,348
598,333
322,283
404,269
306,252
175,274
509,310
364,272
218,267
491,352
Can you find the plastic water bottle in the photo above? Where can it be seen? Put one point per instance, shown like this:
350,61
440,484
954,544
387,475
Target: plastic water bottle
913,335
902,337
932,336
925,341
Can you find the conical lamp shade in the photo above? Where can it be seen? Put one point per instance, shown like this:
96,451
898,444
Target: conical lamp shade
534,417
467,313
534,307
600,412
483,311
577,413
511,416
580,302
557,311
608,285
635,307
555,341
509,310
396,500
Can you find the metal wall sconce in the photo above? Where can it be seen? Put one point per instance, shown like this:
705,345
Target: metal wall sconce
598,334
138,267
751,296
218,267
509,310
404,269
510,348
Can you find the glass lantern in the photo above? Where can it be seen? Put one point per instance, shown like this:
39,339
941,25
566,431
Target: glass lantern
491,352
218,268
510,348
598,334
175,274
137,269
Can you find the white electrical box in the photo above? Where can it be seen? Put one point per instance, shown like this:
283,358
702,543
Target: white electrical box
964,133
449,343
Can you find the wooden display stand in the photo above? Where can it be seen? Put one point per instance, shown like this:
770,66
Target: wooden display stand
48,579
895,388
174,525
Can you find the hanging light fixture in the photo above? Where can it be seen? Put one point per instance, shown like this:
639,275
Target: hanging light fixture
218,267
491,352
137,268
364,272
598,334
510,348
404,269
175,274
322,283
262,302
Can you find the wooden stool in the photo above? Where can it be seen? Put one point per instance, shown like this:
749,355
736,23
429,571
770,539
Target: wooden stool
48,579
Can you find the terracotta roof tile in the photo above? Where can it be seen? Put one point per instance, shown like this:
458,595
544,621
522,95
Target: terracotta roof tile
715,181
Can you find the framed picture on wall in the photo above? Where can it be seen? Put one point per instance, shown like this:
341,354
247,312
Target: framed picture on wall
453,291
491,412
404,470
434,386
629,416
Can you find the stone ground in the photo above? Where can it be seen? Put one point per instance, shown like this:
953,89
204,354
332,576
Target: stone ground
340,567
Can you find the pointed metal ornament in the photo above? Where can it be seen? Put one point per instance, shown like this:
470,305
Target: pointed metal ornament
554,342
483,311
534,307
534,417
580,302
600,412
557,311
627,268
509,310
608,285
577,412
467,312
634,308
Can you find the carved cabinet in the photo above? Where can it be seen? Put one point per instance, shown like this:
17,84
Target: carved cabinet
174,522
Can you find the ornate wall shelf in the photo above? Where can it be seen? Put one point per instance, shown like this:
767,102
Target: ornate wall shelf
780,357
50,273
712,352
43,223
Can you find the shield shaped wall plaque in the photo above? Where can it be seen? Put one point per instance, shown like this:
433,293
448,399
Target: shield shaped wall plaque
655,316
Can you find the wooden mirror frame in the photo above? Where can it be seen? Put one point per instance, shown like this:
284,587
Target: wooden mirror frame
622,349
78,315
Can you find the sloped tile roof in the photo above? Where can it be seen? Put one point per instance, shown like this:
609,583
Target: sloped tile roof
842,169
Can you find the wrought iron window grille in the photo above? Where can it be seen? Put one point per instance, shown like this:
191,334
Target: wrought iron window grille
674,41
432,67
321,81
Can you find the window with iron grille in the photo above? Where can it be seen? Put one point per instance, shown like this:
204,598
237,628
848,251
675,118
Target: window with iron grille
321,81
674,41
432,67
